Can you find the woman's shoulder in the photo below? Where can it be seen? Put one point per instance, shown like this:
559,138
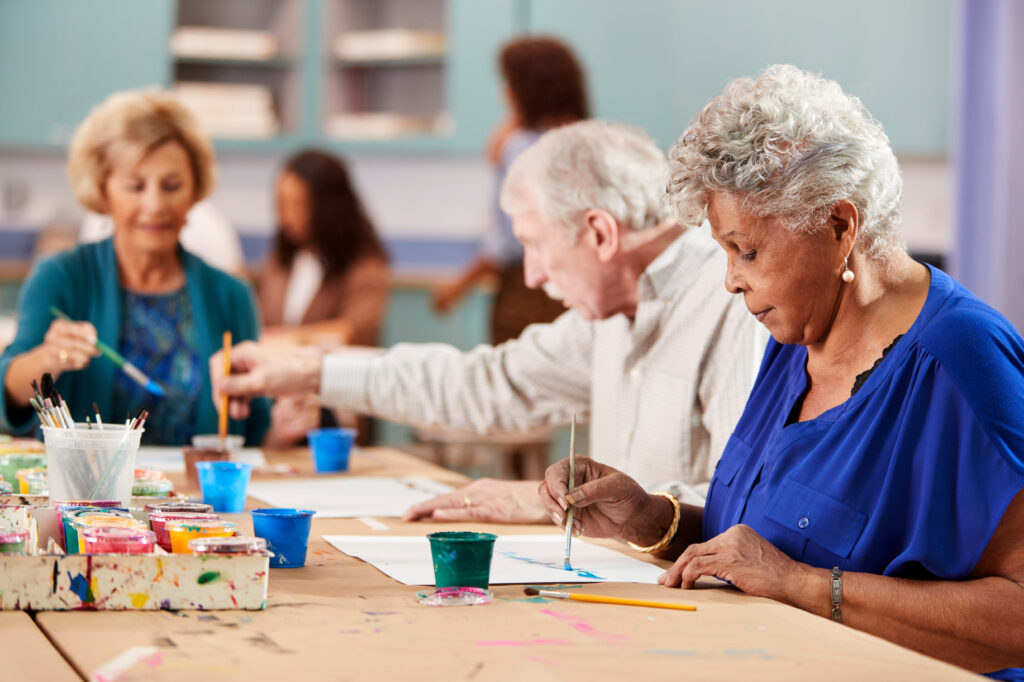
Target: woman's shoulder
77,263
214,281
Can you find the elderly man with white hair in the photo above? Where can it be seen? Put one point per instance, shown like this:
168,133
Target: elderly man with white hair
653,351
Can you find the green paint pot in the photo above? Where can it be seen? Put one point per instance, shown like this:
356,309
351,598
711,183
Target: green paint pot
462,559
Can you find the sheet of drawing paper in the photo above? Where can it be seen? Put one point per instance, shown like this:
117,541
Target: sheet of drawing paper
518,559
172,460
338,497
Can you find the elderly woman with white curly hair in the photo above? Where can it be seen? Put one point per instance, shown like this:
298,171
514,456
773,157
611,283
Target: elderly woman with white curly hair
875,476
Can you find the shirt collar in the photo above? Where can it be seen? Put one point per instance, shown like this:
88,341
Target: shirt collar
672,270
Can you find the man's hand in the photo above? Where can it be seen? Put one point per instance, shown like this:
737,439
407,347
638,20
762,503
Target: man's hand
485,500
256,371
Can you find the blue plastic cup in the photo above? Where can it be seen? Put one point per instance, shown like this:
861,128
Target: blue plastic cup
331,447
224,484
286,532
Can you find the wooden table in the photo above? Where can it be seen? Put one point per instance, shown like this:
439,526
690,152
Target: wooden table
27,654
341,619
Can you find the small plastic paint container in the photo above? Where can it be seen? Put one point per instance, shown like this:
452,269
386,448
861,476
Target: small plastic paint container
239,544
193,507
149,475
6,488
331,448
158,521
286,532
152,487
117,540
183,531
11,464
34,482
85,522
69,517
462,559
13,541
224,484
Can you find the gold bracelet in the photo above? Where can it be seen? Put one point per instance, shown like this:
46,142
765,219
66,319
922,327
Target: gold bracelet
672,528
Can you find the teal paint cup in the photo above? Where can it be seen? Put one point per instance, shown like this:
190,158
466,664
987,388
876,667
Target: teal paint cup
286,532
224,484
462,559
331,448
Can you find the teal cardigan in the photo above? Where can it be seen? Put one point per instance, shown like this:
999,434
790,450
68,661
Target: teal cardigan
83,282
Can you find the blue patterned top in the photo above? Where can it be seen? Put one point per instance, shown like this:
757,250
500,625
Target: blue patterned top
158,335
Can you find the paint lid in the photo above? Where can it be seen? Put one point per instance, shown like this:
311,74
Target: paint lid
236,544
74,514
455,596
202,526
105,521
99,504
149,475
197,507
109,540
167,517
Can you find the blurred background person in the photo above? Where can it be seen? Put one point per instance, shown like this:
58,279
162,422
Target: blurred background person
544,88
326,281
140,158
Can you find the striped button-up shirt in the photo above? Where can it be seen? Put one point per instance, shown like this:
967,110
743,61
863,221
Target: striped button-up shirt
662,391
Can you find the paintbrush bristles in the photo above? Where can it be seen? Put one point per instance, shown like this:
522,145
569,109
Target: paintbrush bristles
532,591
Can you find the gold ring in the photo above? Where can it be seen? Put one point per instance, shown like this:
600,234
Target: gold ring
63,355
466,502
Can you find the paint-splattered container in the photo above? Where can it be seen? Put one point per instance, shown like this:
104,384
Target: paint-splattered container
158,521
183,531
13,541
86,521
238,544
109,540
70,517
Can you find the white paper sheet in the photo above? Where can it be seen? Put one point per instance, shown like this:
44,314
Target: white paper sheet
518,559
338,497
172,460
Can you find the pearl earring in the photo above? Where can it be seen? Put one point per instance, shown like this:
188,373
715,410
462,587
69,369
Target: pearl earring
847,272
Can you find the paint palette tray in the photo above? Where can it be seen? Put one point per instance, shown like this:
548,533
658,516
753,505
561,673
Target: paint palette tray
59,582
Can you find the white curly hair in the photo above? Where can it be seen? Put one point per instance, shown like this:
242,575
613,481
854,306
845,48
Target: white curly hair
585,165
792,144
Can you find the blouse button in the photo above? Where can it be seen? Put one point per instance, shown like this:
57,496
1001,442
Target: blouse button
803,522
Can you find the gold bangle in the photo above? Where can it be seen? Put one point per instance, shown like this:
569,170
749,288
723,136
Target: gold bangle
672,528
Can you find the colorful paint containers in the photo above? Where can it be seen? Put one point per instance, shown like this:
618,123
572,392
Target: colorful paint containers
13,541
33,481
11,464
183,531
158,521
239,544
286,532
117,540
224,484
70,518
6,488
86,521
62,508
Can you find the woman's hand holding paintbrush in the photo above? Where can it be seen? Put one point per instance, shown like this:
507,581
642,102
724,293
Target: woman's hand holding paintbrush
67,346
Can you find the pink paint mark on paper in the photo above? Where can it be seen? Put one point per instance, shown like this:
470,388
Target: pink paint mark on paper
155,661
528,642
583,627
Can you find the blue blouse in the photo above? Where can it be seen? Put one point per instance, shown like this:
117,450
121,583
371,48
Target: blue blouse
158,335
911,475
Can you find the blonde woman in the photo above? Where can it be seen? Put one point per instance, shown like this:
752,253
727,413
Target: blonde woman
139,157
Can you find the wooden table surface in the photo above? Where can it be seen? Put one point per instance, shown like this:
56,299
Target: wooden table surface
341,619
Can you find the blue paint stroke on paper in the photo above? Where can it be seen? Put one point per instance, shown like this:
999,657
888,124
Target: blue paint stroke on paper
552,564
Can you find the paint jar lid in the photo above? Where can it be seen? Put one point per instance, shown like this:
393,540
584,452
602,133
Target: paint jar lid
455,596
236,544
74,504
75,514
202,526
149,475
197,507
167,517
106,521
117,540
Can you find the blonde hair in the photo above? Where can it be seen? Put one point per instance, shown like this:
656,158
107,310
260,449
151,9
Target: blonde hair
792,144
134,122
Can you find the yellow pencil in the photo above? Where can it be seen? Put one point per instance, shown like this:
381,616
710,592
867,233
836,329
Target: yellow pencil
601,599
222,426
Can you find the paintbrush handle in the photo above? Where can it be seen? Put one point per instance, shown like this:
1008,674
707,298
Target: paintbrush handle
601,599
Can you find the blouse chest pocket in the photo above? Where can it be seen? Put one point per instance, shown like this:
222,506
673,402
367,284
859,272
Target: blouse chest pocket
818,519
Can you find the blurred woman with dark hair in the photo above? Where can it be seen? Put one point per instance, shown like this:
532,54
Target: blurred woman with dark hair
544,88
326,281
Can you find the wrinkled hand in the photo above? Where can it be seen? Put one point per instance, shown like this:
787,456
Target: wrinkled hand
740,556
292,417
256,370
490,501
608,503
69,346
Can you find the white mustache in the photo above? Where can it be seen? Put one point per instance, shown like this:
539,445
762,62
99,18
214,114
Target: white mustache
553,292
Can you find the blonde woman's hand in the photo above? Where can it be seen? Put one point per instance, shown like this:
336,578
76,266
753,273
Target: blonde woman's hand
68,346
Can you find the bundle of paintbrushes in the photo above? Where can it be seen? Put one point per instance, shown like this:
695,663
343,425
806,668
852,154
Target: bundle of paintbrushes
87,461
